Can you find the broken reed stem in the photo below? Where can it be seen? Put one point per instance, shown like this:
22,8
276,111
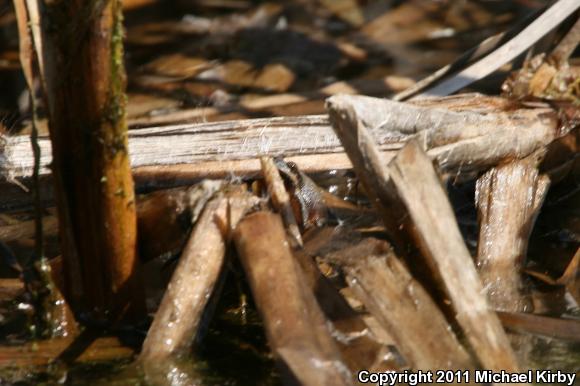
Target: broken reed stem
508,198
177,320
280,198
437,234
402,306
368,163
461,135
296,330
85,84
411,179
359,347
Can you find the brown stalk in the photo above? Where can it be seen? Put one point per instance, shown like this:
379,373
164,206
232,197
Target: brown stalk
296,328
85,83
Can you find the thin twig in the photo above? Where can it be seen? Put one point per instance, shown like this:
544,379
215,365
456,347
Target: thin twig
568,44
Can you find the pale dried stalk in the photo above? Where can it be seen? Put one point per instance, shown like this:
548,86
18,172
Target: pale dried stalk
176,322
461,138
463,133
25,40
483,131
437,234
367,161
508,198
280,198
